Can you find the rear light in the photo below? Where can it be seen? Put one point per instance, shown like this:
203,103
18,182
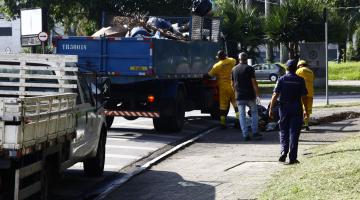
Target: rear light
151,99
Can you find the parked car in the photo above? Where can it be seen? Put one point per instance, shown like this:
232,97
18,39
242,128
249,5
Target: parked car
266,71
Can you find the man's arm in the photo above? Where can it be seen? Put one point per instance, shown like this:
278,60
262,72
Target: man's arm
274,98
255,86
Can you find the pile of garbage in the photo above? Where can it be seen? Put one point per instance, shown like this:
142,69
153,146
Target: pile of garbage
150,27
154,27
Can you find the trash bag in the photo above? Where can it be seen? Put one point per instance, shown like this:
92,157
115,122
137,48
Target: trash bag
139,32
201,7
159,23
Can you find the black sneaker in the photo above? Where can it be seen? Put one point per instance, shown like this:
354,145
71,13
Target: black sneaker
307,128
282,158
292,162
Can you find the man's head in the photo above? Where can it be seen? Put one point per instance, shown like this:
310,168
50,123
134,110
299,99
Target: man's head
291,65
302,63
243,58
221,55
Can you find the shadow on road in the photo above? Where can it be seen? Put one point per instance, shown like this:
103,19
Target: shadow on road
160,185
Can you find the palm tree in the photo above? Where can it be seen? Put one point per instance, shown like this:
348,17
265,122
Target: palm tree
242,28
295,21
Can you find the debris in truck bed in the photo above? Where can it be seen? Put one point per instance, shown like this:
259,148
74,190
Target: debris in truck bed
140,26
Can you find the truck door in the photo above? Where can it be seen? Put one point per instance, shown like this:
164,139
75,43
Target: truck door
86,134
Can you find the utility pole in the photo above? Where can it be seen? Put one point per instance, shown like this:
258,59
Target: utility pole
326,57
269,47
284,54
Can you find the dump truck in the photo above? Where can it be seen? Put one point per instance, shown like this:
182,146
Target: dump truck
48,122
152,77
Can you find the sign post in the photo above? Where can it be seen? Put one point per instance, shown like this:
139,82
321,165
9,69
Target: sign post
43,37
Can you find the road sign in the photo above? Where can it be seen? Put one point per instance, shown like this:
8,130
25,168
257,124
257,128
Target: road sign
43,36
31,25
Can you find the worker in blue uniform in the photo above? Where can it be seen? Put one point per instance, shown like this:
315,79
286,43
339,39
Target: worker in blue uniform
290,89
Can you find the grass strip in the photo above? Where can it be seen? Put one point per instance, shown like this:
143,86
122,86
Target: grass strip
331,172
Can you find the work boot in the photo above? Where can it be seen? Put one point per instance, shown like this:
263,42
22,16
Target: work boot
307,128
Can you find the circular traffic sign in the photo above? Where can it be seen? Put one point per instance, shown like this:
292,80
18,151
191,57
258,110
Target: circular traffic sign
43,36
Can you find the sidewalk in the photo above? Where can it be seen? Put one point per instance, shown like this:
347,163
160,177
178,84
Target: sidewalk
222,166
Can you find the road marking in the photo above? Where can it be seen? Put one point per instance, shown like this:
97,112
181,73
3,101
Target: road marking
122,156
132,125
118,139
130,147
80,165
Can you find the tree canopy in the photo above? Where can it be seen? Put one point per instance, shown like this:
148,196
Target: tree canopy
86,15
242,28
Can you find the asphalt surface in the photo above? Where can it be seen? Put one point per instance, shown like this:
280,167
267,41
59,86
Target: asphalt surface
221,166
131,143
128,142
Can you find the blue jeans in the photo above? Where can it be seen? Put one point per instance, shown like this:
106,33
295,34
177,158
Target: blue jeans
254,116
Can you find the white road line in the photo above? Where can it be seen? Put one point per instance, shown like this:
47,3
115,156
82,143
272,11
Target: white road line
130,147
132,126
118,139
80,166
122,156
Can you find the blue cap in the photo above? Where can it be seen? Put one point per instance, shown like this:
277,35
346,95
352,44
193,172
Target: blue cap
290,63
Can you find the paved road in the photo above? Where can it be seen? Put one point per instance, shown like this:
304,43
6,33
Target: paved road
127,142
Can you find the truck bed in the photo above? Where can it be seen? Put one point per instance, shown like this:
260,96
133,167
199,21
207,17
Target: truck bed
37,105
129,60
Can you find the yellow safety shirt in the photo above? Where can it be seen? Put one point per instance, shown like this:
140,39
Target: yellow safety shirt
222,71
309,77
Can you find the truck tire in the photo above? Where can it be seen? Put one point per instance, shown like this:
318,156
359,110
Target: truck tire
95,166
172,123
130,118
7,184
109,121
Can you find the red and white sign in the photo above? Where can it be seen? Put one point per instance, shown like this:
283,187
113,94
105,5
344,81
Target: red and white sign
43,36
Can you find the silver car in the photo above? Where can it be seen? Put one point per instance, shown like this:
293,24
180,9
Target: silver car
266,71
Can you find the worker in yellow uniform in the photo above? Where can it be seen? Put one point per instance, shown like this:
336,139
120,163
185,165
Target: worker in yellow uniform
307,74
222,71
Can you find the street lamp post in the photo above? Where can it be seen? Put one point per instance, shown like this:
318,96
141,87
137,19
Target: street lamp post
326,58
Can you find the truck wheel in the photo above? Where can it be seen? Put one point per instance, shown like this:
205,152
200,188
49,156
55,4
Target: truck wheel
44,184
7,184
172,123
109,121
95,166
130,118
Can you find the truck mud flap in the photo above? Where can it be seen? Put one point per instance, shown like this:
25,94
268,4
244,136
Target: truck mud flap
132,114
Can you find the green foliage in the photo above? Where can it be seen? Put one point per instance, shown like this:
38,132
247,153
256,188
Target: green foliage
294,21
242,28
85,15
344,71
331,172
